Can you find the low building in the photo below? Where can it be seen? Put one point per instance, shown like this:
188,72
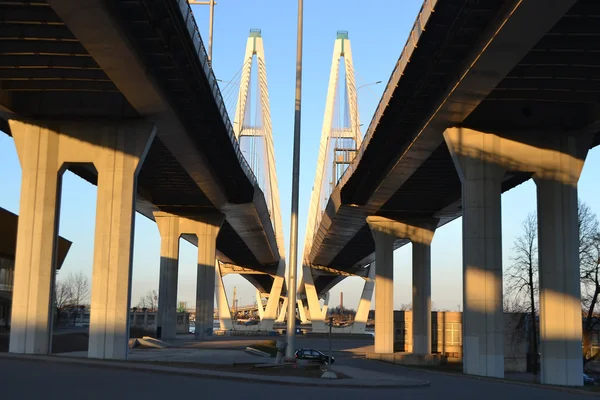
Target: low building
8,243
446,338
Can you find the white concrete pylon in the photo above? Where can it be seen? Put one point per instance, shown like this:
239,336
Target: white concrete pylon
270,311
259,305
364,305
342,48
255,48
46,148
282,311
223,308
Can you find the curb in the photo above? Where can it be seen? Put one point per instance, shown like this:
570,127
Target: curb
201,373
563,389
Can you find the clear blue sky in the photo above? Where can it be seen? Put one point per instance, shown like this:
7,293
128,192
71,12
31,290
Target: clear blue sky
378,32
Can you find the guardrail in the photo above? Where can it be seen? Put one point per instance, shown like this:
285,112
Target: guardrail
192,27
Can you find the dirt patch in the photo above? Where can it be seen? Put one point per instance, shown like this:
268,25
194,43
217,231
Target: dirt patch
305,371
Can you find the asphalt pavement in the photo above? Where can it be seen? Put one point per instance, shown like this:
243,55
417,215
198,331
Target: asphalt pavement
20,379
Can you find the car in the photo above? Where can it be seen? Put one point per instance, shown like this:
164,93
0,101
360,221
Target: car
312,355
588,380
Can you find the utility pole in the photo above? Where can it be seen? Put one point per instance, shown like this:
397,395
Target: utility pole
212,4
291,322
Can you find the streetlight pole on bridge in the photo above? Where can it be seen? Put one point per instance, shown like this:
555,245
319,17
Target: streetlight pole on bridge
212,4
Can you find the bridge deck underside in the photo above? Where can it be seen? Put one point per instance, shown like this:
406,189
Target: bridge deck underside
555,88
45,73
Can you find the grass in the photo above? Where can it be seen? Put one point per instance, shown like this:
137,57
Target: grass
268,346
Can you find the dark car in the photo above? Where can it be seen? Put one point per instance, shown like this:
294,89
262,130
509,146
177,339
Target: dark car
312,355
588,380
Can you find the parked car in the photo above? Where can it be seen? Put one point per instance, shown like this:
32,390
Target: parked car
312,355
588,380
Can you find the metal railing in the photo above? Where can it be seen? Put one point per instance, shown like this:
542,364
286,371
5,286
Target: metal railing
192,27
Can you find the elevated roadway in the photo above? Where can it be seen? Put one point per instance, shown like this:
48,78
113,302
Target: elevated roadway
96,60
514,67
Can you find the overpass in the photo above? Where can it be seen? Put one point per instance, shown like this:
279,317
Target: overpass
122,94
484,96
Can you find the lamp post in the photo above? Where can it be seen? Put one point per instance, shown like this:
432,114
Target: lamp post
368,84
291,278
212,4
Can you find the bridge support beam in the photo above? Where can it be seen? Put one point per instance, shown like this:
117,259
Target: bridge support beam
384,283
222,302
483,332
558,246
364,305
207,229
556,161
168,226
269,315
420,233
282,311
46,149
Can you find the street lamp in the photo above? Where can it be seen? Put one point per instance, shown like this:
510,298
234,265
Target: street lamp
293,259
368,84
212,4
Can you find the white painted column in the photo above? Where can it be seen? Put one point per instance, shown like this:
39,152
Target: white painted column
312,299
31,307
481,176
384,294
270,312
208,227
560,297
222,302
46,148
261,310
168,226
421,313
364,306
124,148
558,244
282,311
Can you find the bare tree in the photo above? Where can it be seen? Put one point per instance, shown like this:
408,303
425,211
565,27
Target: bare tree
149,301
522,276
79,287
62,298
589,264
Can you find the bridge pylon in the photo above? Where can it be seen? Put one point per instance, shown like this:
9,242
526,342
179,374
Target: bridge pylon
254,133
340,140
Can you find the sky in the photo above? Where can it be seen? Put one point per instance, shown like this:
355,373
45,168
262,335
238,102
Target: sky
378,30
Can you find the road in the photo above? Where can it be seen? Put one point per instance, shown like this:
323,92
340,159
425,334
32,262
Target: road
43,380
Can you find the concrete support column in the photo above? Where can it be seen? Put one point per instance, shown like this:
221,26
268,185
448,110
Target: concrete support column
259,306
558,244
46,148
312,298
384,283
560,297
168,226
37,148
270,311
222,303
364,305
123,149
475,155
282,311
207,229
421,313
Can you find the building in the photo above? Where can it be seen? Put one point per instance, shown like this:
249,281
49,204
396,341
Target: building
446,336
8,241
